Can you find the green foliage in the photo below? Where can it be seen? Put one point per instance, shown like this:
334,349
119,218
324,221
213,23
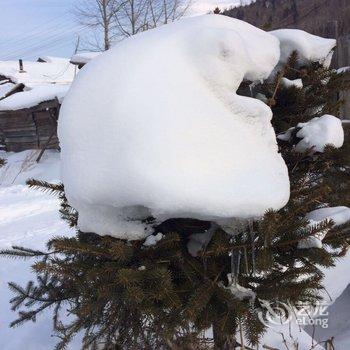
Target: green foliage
123,295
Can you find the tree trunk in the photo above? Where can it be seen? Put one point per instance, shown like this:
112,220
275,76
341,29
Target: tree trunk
105,25
223,341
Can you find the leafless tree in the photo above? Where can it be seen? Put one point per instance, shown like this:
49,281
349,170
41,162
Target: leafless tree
136,16
99,16
113,20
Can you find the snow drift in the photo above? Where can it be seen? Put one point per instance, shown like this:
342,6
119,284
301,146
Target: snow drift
154,127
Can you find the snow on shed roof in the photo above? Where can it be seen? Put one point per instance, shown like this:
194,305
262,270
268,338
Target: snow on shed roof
33,97
5,89
84,57
52,71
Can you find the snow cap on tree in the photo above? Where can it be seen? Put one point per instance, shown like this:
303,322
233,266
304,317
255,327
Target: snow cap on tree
310,48
140,138
320,132
316,134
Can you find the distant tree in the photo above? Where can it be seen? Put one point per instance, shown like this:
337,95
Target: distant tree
99,15
113,20
136,16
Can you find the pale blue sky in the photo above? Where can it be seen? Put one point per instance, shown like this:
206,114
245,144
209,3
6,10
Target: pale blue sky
33,28
30,28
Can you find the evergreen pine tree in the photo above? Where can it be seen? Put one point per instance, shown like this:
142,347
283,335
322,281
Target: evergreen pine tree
125,295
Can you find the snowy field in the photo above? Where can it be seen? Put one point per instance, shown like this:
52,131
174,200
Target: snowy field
29,218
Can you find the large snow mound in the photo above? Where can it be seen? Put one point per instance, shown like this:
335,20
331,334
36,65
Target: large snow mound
310,48
319,132
154,127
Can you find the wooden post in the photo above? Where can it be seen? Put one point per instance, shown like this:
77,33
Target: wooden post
21,70
54,116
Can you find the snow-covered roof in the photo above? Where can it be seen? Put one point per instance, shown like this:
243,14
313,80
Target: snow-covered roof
33,97
5,89
84,57
158,116
58,71
53,59
47,79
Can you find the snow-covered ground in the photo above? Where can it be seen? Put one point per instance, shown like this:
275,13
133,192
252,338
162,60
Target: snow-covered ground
30,217
27,218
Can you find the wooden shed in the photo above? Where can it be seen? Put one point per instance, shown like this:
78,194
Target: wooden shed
30,97
30,128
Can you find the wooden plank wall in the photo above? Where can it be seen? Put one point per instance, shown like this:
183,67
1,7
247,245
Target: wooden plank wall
29,128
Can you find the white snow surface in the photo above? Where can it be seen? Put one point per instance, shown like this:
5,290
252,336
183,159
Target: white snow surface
238,291
319,132
43,81
28,218
34,96
343,70
56,70
158,118
314,241
84,57
339,215
311,48
297,83
5,88
153,239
